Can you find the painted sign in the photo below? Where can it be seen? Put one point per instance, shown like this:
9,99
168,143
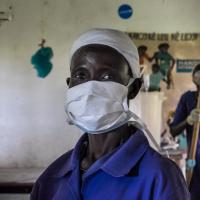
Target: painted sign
177,37
186,65
125,11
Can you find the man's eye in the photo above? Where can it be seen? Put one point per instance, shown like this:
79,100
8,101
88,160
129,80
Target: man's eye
79,75
107,77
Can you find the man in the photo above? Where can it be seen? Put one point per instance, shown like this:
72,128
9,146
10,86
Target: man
166,62
113,159
185,116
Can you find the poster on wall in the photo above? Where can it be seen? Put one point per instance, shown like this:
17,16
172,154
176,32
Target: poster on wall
186,65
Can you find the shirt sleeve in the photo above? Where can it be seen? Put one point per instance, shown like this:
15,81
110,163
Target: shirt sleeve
180,191
171,184
35,192
181,111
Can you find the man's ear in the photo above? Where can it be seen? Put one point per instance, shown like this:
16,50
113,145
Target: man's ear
134,88
68,81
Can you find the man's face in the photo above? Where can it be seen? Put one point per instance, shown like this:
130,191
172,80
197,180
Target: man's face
196,78
100,63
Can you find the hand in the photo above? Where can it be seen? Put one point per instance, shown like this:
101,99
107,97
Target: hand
193,117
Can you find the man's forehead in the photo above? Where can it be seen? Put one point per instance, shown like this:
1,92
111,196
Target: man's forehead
97,49
102,54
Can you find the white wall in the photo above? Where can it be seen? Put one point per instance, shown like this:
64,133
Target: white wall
33,131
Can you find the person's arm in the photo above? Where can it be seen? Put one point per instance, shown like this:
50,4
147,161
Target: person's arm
178,128
179,122
173,62
147,57
154,57
172,65
192,118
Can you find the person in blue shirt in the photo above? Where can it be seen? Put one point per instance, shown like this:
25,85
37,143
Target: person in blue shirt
112,159
185,116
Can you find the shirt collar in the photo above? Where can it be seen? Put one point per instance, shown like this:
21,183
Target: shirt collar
74,159
120,161
127,156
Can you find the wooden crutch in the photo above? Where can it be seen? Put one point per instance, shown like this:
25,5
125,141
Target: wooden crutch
193,148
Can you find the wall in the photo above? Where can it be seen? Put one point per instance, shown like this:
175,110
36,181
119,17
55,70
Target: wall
33,130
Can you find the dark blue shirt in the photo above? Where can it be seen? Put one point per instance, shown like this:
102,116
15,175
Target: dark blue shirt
133,171
187,103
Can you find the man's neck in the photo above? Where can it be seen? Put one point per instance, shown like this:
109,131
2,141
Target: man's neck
102,144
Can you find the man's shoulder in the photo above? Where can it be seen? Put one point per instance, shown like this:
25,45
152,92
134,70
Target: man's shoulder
188,94
158,163
54,169
151,159
165,174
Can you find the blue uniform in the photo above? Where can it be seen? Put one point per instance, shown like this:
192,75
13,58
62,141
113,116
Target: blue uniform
133,171
187,103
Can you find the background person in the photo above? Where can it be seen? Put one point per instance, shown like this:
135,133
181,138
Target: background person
142,51
185,117
143,55
155,78
166,62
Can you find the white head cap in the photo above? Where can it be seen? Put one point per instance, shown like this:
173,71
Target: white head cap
112,38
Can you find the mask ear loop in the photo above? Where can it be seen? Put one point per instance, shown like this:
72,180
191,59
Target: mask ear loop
142,126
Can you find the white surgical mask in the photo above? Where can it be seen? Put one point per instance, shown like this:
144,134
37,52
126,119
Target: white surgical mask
97,107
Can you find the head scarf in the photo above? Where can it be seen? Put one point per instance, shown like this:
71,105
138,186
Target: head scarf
114,39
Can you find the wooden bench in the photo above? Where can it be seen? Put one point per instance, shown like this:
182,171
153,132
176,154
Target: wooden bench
18,180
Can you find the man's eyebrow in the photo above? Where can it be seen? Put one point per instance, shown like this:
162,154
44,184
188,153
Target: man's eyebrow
107,67
78,67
